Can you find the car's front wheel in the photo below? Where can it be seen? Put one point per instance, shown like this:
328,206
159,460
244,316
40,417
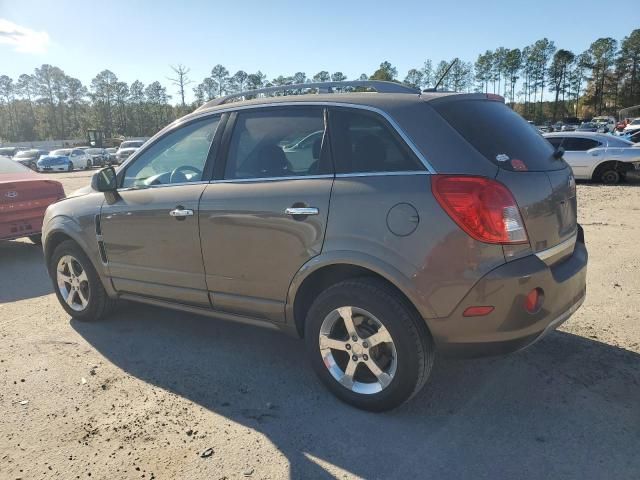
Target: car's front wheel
70,167
76,283
367,345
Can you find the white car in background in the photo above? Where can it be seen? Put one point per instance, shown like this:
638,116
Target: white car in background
634,125
64,160
127,148
597,156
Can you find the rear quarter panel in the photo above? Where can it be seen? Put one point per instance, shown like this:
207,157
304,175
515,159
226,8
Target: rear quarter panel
435,265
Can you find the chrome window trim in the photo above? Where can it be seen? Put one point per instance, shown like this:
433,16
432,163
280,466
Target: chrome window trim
385,115
382,174
566,245
164,185
272,179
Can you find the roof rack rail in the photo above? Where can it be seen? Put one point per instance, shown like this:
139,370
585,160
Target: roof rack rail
379,86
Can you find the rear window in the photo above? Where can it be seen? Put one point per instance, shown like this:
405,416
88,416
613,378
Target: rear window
500,135
577,144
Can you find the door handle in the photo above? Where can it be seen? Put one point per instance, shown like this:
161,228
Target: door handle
180,213
302,211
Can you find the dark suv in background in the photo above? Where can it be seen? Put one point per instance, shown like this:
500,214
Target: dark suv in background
378,226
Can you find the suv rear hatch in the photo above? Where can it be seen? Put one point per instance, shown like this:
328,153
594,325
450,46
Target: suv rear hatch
542,185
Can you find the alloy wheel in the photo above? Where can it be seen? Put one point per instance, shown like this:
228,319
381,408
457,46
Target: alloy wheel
358,350
73,283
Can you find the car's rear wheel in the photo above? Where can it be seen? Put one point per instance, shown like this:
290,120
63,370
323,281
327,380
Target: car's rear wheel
367,345
610,176
76,283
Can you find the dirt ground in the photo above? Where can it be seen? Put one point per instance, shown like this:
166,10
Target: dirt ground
149,393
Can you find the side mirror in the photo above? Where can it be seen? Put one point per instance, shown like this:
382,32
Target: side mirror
105,180
558,153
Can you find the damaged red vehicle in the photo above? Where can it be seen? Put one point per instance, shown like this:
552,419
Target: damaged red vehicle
24,197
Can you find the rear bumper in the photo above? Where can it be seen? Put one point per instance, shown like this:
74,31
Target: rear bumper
18,228
509,327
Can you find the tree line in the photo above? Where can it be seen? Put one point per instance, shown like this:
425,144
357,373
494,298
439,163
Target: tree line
540,81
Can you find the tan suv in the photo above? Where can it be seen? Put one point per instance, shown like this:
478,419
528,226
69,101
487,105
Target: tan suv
378,225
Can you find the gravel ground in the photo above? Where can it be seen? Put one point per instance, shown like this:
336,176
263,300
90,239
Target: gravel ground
152,393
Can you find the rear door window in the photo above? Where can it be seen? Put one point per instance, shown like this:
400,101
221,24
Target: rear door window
277,142
363,142
576,144
499,134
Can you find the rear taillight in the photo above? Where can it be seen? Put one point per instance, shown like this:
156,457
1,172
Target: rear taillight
482,207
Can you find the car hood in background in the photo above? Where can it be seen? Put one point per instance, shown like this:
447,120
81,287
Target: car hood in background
53,160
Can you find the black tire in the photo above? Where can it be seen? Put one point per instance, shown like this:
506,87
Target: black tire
70,168
88,166
412,340
610,176
99,304
36,239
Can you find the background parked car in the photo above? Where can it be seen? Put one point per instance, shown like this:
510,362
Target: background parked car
597,156
99,156
632,126
605,124
111,155
587,127
29,158
11,151
569,124
64,160
24,196
126,149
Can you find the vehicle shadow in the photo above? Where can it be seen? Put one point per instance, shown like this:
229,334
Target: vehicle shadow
566,408
23,272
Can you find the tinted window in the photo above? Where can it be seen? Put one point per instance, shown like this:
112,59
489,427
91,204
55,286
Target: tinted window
178,157
575,144
277,143
363,142
555,141
499,134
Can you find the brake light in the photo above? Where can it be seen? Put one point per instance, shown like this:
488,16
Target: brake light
482,207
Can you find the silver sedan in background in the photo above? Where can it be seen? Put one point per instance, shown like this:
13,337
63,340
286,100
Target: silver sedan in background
597,156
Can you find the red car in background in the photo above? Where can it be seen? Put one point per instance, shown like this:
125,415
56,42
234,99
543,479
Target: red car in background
24,197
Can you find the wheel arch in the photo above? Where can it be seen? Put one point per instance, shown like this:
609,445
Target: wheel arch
63,228
617,165
321,272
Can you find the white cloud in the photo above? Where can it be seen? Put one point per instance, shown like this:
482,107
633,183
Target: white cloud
23,39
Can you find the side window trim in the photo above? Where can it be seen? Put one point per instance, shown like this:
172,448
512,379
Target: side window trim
210,154
223,154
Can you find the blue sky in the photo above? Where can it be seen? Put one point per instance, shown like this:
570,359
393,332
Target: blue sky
140,39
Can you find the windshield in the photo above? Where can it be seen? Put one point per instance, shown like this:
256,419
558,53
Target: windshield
9,166
63,151
94,151
131,144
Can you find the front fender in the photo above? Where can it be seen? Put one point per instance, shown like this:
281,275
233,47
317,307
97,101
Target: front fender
357,259
81,230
